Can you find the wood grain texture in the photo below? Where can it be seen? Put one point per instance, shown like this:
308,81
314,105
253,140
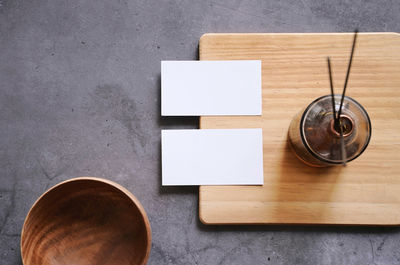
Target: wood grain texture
86,221
294,72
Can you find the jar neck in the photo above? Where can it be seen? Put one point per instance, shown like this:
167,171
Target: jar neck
345,124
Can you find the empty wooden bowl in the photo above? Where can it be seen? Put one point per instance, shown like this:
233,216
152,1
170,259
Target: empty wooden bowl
86,221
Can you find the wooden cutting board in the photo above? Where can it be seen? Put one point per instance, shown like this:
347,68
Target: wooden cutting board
294,73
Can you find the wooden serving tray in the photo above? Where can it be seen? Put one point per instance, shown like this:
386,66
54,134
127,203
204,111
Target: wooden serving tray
294,73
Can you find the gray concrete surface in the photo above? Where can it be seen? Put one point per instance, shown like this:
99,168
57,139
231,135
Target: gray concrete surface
80,95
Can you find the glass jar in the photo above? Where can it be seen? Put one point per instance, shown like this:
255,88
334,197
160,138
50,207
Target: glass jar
316,140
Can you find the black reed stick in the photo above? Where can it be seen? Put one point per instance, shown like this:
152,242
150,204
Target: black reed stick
332,93
337,125
348,73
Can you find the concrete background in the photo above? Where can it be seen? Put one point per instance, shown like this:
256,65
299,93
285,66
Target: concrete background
80,95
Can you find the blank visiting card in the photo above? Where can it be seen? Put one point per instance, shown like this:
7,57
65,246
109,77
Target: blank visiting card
195,88
212,157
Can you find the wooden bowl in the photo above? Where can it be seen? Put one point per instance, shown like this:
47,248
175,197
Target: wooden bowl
86,221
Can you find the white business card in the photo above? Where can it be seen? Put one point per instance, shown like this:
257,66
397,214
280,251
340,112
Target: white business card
212,157
195,88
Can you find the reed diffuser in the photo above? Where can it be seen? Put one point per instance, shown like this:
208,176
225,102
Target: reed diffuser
333,129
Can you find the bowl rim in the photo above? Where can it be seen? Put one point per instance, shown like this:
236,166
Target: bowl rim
105,181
